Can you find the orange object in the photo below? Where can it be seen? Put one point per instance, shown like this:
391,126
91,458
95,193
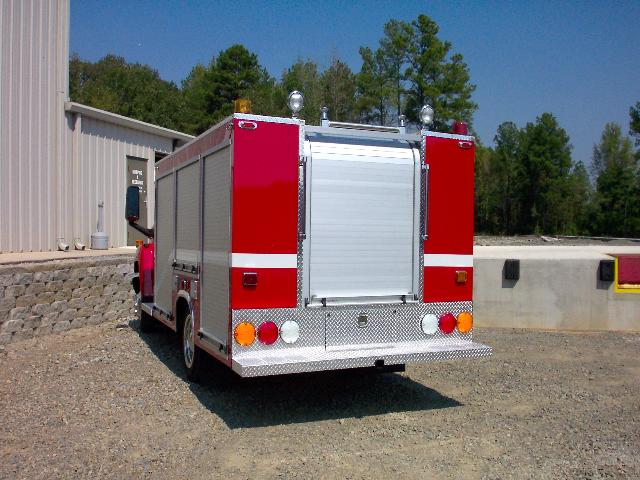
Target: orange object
464,322
242,105
461,276
245,334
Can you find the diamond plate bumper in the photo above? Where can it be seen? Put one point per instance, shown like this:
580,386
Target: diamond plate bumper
313,359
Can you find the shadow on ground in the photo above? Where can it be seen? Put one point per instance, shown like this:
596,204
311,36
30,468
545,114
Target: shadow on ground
299,398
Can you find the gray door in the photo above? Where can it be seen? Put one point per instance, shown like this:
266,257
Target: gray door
137,175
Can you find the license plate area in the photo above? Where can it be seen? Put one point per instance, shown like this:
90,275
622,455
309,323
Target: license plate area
361,327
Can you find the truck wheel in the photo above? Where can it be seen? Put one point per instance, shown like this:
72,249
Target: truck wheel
191,354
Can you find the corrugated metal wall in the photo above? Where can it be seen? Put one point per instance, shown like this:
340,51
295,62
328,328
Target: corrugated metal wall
99,172
56,166
34,52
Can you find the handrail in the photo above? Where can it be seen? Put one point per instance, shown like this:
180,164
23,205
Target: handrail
361,126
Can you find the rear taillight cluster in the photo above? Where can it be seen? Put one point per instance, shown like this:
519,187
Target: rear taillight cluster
447,323
267,333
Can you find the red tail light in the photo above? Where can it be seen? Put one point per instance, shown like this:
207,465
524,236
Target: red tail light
447,323
268,333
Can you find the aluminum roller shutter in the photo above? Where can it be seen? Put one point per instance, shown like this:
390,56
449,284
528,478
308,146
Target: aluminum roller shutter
362,237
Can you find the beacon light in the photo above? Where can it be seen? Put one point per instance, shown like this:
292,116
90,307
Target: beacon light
295,102
426,115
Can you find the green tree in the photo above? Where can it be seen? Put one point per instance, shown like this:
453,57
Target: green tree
209,92
634,130
616,170
267,98
395,47
130,89
195,90
338,85
546,157
505,165
437,77
304,77
484,209
581,200
375,87
411,67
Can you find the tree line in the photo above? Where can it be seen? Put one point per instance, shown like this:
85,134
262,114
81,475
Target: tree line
527,182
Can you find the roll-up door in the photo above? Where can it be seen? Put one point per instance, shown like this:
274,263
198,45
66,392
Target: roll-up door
362,226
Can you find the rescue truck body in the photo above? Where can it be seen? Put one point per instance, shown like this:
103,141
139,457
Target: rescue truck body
280,247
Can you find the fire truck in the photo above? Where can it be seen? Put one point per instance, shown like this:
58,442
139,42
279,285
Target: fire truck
280,247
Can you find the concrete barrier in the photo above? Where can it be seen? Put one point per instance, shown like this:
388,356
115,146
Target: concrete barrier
558,288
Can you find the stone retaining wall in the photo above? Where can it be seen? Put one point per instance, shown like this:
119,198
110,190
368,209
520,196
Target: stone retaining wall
39,298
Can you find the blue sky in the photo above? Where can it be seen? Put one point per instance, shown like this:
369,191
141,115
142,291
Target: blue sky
579,60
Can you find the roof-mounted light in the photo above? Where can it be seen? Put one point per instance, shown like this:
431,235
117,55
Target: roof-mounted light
426,115
295,102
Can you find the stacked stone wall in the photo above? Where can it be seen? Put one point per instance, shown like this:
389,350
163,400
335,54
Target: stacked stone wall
41,298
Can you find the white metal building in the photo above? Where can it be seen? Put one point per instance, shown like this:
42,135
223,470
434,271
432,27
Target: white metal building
58,159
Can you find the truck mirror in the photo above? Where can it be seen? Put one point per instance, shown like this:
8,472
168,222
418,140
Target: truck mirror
132,207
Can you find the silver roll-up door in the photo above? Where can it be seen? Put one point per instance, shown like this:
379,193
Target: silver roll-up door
363,237
164,242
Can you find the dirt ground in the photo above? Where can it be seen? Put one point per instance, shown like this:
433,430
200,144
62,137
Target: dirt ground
535,240
108,402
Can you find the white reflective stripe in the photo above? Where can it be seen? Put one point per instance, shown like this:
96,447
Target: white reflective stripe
264,260
440,260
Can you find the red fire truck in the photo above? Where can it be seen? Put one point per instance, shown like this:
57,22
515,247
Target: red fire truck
280,247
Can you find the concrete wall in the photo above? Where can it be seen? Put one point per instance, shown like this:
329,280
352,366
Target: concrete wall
39,298
558,289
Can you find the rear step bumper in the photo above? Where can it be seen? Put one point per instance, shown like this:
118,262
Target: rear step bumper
313,359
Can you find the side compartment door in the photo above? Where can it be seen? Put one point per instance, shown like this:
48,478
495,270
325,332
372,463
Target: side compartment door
216,244
164,242
449,245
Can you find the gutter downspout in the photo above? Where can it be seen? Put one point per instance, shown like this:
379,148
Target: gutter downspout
60,135
75,174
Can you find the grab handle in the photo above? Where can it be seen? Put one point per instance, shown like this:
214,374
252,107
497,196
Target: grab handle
302,172
425,213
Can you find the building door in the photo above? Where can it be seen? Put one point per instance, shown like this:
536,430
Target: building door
137,175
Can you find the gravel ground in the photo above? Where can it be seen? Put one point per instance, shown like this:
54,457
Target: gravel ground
535,240
107,402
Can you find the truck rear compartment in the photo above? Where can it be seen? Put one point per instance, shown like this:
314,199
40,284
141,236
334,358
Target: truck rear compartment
264,221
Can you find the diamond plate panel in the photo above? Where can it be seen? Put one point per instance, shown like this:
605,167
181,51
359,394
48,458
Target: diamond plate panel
337,325
316,359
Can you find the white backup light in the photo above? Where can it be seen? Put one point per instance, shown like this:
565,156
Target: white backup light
289,331
426,115
429,324
296,102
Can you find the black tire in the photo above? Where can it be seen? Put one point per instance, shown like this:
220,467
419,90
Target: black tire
191,354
